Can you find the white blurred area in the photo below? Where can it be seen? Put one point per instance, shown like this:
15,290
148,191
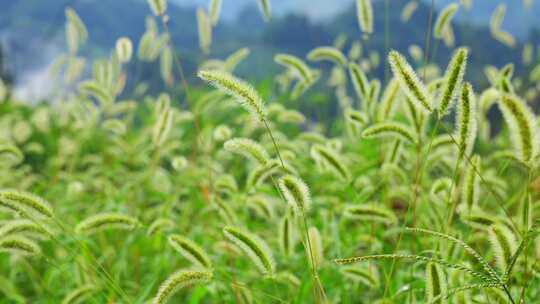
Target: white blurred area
36,84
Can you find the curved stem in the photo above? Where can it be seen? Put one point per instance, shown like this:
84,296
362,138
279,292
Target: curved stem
274,142
505,288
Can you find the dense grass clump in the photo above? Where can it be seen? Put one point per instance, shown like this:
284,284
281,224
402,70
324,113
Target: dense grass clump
406,193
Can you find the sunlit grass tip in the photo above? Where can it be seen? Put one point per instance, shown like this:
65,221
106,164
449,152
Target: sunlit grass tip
254,247
409,82
296,193
179,280
190,250
104,221
244,93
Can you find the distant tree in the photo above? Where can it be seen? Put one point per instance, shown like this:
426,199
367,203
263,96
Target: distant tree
296,34
5,74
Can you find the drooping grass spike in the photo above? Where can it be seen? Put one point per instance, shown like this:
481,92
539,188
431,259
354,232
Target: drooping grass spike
364,13
332,159
214,11
370,212
286,236
444,19
522,125
436,284
466,121
264,5
389,101
248,148
296,193
22,226
244,93
25,203
190,250
327,53
16,244
483,277
453,78
254,247
162,127
124,49
463,245
180,280
296,65
204,27
504,243
79,294
409,82
12,152
158,7
106,220
390,129
316,255
360,84
470,193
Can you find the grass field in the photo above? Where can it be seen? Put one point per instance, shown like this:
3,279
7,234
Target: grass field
218,189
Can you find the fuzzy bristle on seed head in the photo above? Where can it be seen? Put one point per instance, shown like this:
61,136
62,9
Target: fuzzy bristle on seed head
20,245
296,193
160,224
297,66
316,247
408,10
390,129
254,247
436,284
258,175
327,53
79,294
522,125
443,20
235,58
264,6
360,83
204,26
364,12
331,159
106,220
158,7
248,148
389,100
190,250
214,11
370,212
25,203
409,82
10,152
180,280
244,93
504,243
286,235
452,80
162,127
367,276
466,121
471,186
22,226
124,49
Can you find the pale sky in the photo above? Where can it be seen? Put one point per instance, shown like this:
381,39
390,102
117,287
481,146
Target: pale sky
316,9
325,9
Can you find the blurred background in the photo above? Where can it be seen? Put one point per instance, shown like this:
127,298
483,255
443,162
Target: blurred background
32,34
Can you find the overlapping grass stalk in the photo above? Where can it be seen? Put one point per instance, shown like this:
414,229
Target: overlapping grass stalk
320,182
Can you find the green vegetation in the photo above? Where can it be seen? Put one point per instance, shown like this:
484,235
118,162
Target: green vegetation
208,187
